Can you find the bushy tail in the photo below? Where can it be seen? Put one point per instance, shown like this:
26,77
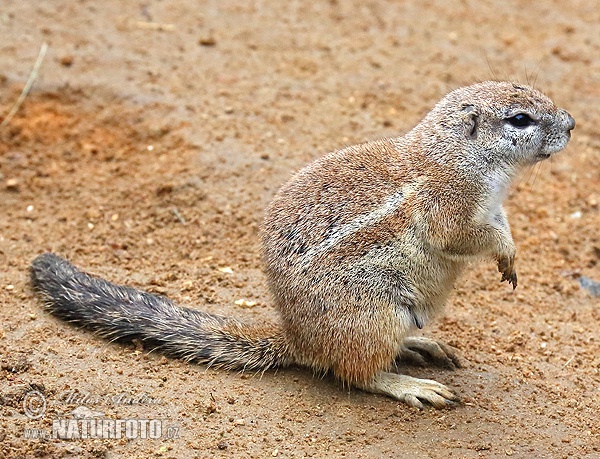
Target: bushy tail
124,314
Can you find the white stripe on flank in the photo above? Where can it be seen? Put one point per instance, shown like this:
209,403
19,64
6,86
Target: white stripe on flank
343,231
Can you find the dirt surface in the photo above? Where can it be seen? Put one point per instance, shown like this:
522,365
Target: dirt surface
156,133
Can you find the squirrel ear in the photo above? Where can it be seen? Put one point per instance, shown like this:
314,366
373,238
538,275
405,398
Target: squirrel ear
471,120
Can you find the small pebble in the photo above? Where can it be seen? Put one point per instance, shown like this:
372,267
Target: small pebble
66,61
245,303
575,215
207,41
12,185
590,285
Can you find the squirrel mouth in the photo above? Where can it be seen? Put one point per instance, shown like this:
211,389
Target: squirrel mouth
542,156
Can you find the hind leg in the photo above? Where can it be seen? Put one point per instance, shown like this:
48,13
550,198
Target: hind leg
363,369
418,350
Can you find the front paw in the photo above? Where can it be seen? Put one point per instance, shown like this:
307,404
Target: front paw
506,265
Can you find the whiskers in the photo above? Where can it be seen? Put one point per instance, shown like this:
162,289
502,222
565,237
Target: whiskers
529,178
536,172
533,77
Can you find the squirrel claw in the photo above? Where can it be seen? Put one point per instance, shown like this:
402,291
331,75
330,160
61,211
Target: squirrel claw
421,351
511,278
506,267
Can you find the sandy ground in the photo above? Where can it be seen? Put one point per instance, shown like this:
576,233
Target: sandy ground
156,133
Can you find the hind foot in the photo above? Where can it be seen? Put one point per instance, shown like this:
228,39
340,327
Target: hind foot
412,391
418,350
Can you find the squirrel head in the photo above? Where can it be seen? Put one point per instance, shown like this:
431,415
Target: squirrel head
499,123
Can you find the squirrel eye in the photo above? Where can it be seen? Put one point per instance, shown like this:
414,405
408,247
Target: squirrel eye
520,120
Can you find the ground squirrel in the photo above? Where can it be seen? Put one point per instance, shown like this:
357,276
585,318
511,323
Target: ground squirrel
361,248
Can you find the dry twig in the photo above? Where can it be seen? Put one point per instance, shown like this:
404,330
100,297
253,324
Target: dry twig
32,76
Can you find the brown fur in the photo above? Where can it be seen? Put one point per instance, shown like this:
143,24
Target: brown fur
348,309
360,248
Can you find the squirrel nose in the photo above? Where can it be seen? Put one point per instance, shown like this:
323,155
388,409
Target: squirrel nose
568,120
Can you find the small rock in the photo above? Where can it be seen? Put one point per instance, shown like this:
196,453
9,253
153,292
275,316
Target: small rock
207,41
245,303
590,285
12,185
66,61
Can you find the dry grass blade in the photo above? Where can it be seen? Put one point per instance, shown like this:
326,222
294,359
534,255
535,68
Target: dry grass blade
28,85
